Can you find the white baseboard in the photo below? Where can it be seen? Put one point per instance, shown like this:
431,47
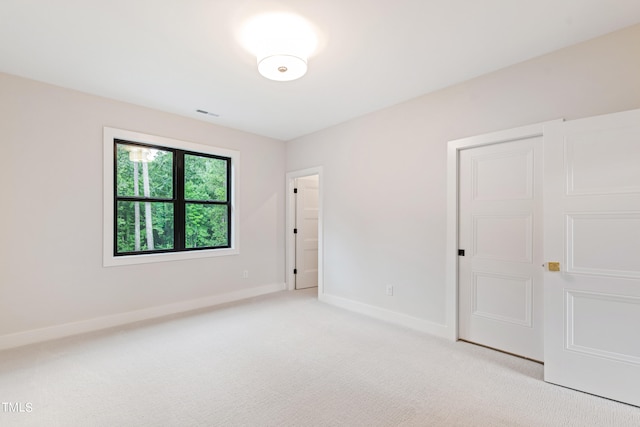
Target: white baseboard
388,315
67,329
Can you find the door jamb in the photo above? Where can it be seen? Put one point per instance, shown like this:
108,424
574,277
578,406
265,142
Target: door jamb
453,155
290,221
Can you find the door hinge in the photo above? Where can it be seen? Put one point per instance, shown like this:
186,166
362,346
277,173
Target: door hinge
295,231
295,191
295,271
460,252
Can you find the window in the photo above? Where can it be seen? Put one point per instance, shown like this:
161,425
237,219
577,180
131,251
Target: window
168,199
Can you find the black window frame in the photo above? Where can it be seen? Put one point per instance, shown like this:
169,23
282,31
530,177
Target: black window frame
178,200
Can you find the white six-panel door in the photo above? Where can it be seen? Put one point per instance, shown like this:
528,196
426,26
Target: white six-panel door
592,228
500,229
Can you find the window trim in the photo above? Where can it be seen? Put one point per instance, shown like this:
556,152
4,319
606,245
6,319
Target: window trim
110,136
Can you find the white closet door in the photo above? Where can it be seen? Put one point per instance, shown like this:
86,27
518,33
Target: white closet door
307,232
500,229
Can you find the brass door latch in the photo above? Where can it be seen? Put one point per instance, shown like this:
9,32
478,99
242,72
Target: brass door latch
553,266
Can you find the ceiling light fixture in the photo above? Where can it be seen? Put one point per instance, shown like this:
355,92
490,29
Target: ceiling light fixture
282,43
282,68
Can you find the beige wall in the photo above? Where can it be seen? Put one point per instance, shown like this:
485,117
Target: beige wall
385,173
51,218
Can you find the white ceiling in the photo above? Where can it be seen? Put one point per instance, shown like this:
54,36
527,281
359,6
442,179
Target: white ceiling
183,55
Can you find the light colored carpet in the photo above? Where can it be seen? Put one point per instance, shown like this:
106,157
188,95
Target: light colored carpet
284,360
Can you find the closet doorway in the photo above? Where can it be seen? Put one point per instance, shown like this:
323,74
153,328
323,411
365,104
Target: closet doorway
304,229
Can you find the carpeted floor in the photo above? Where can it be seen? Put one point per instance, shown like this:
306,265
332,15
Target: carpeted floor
283,360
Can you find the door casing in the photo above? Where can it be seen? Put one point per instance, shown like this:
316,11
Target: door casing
453,153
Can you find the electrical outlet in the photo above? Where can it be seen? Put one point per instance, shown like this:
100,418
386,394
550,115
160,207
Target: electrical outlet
245,274
390,290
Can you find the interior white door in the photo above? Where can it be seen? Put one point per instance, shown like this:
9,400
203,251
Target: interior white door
592,227
307,232
500,275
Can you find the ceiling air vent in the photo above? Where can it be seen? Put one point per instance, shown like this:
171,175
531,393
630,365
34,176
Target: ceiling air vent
208,113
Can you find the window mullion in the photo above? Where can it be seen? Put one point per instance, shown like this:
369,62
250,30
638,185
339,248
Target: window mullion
179,209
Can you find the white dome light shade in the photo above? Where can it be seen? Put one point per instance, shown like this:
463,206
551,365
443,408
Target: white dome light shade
282,42
282,68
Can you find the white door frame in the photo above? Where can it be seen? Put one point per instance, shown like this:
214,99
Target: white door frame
290,251
453,154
